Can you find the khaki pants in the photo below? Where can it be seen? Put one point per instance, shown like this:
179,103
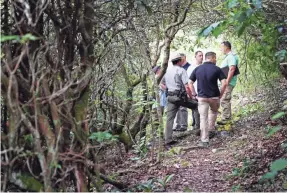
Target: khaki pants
226,103
208,110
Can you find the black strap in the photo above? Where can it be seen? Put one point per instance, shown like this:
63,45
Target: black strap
173,93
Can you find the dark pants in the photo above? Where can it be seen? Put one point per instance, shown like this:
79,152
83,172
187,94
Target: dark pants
180,121
195,119
173,104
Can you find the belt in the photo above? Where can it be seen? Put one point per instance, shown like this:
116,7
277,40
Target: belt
176,93
173,93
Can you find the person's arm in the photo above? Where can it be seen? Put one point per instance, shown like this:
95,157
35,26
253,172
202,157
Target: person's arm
188,91
163,87
230,74
223,87
184,80
163,83
223,81
232,67
190,84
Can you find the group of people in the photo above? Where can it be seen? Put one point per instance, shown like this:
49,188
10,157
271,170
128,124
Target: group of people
202,87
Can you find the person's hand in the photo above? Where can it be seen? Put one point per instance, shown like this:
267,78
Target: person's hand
221,94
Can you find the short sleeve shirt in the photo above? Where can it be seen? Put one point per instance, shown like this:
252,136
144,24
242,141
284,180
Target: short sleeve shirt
230,60
207,76
186,66
189,72
176,78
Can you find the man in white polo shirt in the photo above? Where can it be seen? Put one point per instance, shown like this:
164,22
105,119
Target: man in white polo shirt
195,113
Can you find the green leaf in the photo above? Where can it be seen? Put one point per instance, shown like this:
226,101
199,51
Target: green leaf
208,30
232,3
28,138
241,28
258,4
102,136
235,188
269,175
135,158
17,38
219,29
273,130
4,38
241,17
284,145
278,115
235,171
281,55
186,189
29,37
279,165
55,165
249,12
30,183
2,55
161,182
168,178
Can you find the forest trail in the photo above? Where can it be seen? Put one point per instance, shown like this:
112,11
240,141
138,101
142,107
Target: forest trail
232,163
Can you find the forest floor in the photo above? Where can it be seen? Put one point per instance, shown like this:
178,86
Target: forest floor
232,163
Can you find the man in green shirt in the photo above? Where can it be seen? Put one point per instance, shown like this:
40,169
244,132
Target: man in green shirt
231,61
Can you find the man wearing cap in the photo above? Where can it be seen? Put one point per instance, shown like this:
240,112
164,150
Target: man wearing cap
181,119
178,94
207,76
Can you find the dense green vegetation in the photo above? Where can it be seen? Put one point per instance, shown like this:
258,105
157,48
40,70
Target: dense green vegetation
76,78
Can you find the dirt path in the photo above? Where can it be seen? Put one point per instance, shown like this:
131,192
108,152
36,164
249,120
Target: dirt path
241,158
203,169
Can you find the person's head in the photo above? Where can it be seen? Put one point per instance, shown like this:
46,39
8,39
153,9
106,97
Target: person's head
177,59
210,57
183,57
156,69
225,47
199,57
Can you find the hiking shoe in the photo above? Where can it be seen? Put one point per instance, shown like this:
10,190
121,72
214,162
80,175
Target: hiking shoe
222,122
172,142
181,129
169,145
175,128
203,144
224,133
212,134
195,132
196,127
